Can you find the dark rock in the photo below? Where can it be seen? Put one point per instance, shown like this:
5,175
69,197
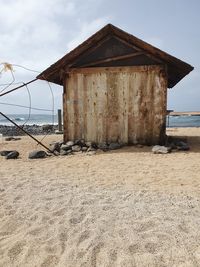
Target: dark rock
5,152
66,147
161,149
65,152
88,144
103,146
47,128
12,155
94,145
54,146
91,149
113,146
182,146
61,143
37,154
12,138
91,144
84,148
76,148
80,143
172,146
69,143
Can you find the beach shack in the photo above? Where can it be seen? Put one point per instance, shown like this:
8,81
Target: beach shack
115,88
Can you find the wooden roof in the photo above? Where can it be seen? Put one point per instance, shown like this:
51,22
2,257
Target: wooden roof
126,50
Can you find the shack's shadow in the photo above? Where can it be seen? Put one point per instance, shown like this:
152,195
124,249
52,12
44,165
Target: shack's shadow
192,141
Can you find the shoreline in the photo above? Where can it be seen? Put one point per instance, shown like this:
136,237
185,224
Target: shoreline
11,130
35,129
184,113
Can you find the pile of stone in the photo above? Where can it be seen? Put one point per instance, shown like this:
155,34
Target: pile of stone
80,146
61,148
173,144
91,148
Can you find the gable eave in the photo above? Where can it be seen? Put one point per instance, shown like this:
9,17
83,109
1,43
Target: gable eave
179,68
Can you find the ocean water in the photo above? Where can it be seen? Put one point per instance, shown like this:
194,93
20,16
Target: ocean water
20,119
40,119
183,121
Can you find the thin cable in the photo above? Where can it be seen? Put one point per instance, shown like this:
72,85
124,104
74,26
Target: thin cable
18,87
30,108
22,106
29,114
52,95
20,66
12,82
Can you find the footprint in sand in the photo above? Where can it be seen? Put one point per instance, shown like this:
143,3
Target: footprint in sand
34,217
35,231
17,249
133,248
17,198
50,261
78,219
146,226
84,236
59,212
51,249
63,237
113,255
151,247
95,251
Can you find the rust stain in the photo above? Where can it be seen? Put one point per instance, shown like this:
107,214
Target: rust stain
126,104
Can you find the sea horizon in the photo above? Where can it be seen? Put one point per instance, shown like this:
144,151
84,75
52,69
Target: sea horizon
42,119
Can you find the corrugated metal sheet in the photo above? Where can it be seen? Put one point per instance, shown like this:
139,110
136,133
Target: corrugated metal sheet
124,104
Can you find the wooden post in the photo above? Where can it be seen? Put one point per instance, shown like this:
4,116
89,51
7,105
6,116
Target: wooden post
59,120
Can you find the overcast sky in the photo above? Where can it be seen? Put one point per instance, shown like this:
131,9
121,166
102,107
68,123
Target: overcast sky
36,33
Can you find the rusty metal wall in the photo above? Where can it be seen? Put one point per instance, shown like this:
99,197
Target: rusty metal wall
124,104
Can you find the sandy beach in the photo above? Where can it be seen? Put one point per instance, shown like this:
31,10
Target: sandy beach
124,208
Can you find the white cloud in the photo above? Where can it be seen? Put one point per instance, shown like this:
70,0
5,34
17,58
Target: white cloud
86,30
36,33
